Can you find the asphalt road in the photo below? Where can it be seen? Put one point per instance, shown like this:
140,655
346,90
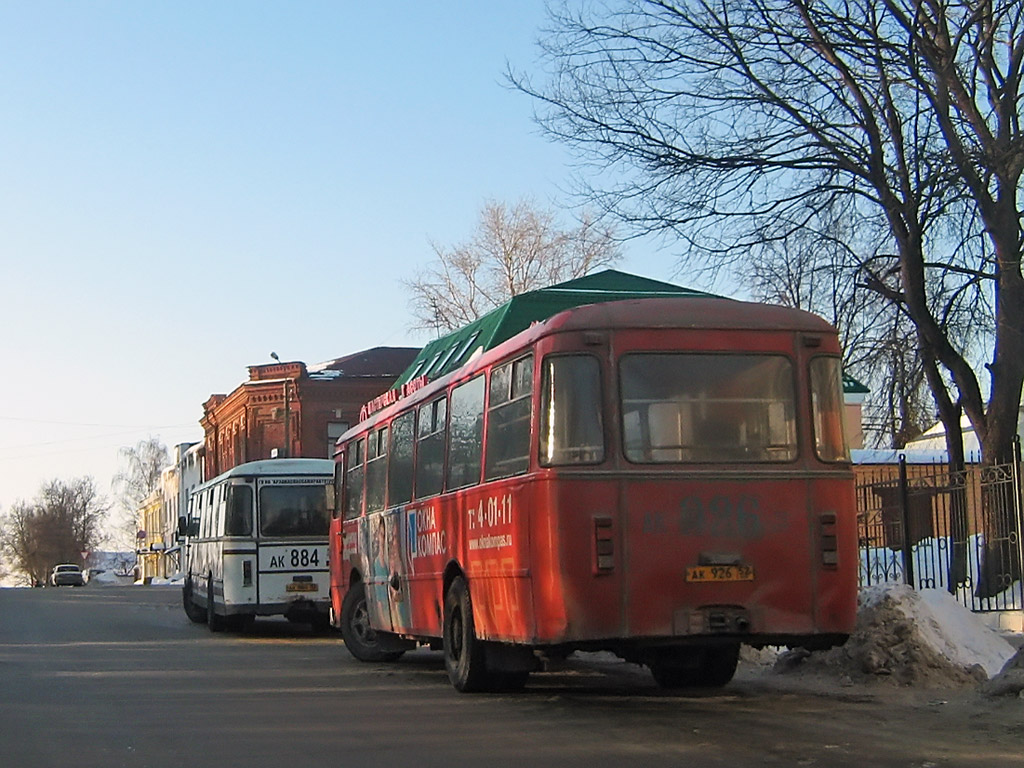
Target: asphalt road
117,676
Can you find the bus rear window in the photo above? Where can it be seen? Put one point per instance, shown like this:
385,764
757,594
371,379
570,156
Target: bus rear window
571,428
294,510
679,407
827,404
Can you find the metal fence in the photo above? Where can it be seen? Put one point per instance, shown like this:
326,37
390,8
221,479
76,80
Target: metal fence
927,526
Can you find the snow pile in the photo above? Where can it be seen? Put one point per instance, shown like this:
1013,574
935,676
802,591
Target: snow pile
1009,682
106,579
176,580
956,633
920,637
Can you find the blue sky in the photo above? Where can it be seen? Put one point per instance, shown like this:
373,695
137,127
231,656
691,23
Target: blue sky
187,186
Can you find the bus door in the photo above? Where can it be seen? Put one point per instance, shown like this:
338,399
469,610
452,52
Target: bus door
377,531
399,535
376,576
395,561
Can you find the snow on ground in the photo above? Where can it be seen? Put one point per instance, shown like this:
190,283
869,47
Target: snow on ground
176,580
108,579
924,638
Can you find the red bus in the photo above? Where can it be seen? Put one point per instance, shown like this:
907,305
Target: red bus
661,478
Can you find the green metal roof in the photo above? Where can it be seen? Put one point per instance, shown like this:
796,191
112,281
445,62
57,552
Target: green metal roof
853,387
517,314
450,351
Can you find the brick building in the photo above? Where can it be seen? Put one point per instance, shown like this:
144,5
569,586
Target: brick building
289,409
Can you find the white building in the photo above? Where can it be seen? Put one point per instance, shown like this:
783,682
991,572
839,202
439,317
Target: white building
176,484
934,438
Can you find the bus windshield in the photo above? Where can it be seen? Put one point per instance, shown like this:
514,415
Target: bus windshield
708,408
294,510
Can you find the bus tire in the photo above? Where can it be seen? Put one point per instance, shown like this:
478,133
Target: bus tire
705,668
214,621
195,614
719,665
360,638
464,657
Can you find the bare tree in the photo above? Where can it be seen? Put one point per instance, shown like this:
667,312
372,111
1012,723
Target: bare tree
141,468
721,119
515,249
817,271
61,523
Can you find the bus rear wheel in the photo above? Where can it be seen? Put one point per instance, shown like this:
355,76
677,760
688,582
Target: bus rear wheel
464,655
710,667
195,614
360,638
214,621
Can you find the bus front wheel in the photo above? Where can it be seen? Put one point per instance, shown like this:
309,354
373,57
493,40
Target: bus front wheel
360,638
464,656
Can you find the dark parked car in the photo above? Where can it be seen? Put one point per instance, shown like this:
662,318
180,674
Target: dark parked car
67,574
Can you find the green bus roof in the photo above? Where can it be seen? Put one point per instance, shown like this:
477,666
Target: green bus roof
448,352
452,350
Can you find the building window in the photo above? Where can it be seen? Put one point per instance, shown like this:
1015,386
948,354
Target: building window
335,429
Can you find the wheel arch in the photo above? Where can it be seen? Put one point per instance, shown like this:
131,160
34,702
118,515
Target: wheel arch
354,577
451,572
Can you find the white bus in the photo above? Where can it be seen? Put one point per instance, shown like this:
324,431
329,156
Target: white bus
255,544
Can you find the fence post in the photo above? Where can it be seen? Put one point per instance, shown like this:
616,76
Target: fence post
1018,518
908,559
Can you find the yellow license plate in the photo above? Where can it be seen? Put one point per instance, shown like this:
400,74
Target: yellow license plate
720,573
301,586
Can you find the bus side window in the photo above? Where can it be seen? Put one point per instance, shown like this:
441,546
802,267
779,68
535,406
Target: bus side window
339,486
400,467
204,515
354,474
430,432
376,469
239,511
466,435
194,515
219,505
508,419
